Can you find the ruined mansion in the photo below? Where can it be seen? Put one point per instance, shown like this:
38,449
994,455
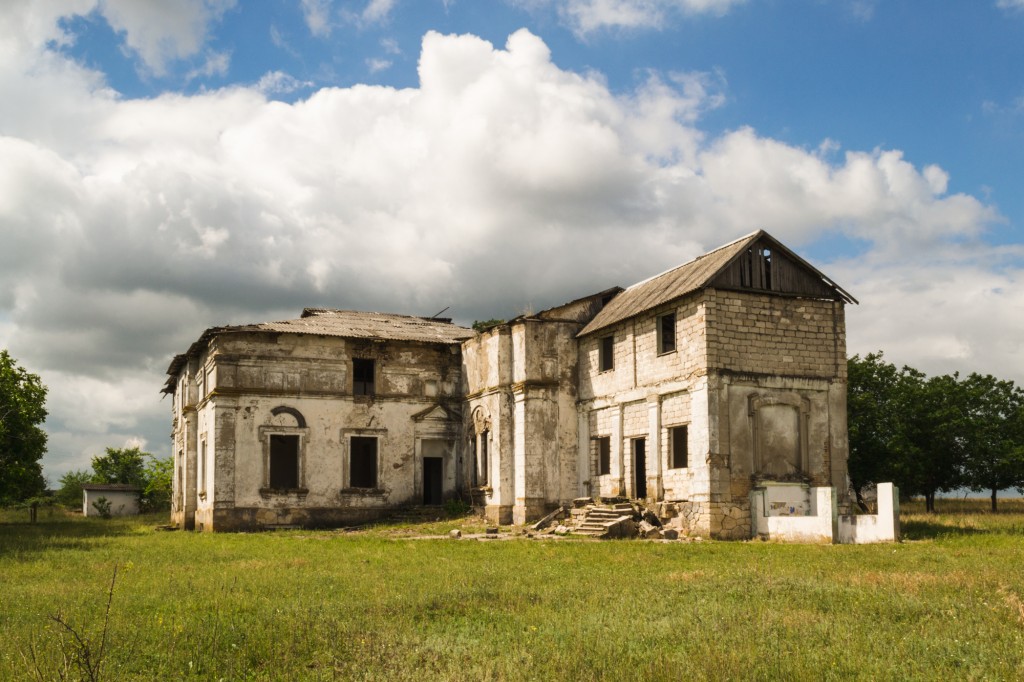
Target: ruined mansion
693,390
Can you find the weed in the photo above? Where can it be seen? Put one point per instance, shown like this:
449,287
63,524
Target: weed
78,653
102,505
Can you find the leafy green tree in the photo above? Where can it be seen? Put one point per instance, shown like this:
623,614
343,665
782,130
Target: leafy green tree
22,439
158,474
930,446
994,435
120,465
70,492
873,404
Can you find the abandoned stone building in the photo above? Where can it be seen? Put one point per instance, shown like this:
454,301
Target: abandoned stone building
690,389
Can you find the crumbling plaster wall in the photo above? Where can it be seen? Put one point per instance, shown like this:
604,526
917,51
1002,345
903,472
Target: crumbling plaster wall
645,394
777,386
522,377
736,353
252,374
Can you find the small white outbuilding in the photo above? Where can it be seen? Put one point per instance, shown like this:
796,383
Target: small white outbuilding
122,498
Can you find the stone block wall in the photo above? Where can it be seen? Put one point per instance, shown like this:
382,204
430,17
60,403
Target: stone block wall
750,333
637,363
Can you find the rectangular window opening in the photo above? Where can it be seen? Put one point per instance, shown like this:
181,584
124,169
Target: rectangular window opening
606,354
202,468
667,333
362,376
482,463
284,462
604,455
363,462
677,441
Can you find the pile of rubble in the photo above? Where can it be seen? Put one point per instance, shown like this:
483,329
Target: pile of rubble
606,518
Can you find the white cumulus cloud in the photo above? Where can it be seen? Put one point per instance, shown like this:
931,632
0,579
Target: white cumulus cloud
499,182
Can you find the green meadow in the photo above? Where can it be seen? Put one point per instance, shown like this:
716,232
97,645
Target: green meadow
387,603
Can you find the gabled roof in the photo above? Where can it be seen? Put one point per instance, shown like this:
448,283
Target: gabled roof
699,273
350,324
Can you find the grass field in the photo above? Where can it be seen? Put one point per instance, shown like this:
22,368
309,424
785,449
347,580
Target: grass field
947,603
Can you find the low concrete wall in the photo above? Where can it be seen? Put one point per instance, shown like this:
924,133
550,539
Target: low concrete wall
881,527
810,519
122,502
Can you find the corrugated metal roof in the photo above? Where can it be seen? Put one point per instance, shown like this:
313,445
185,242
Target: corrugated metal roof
353,324
692,276
363,325
668,286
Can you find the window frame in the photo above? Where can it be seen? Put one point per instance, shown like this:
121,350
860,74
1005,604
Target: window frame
663,348
265,433
481,459
202,467
673,451
606,353
362,387
349,470
296,439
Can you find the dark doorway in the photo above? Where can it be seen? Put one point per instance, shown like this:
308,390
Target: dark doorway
640,463
433,480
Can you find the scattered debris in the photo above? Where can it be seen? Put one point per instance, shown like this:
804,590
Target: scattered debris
455,534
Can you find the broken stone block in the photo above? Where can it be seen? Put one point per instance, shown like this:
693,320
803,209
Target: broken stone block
455,533
670,534
561,530
492,532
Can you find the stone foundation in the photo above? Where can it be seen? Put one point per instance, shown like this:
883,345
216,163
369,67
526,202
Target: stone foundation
257,519
719,520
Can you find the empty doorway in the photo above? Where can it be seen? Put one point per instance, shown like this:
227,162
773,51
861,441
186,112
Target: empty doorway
640,467
433,480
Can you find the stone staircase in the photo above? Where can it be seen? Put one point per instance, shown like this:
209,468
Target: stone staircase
605,521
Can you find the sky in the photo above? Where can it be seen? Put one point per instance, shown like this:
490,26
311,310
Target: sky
168,166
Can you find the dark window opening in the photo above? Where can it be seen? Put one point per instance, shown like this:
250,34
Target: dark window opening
362,376
476,459
604,455
766,268
363,462
667,333
482,463
284,462
677,441
606,353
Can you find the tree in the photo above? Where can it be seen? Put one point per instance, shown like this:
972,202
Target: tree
158,474
22,439
121,465
872,405
932,437
906,428
70,492
994,435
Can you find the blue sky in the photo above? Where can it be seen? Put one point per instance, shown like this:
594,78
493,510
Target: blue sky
167,167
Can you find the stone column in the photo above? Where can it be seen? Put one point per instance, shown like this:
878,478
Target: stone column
655,459
583,453
618,460
519,469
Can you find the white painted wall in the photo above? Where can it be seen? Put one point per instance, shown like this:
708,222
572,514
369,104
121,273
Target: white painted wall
816,525
122,502
881,527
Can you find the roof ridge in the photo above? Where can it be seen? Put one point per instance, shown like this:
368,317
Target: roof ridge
702,256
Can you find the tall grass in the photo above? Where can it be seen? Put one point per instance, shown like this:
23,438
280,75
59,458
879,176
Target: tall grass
948,602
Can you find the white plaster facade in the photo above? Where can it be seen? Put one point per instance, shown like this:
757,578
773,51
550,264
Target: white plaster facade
123,499
686,390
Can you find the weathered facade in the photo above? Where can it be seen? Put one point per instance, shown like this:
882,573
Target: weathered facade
690,389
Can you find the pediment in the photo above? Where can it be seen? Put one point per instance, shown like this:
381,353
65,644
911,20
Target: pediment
435,413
